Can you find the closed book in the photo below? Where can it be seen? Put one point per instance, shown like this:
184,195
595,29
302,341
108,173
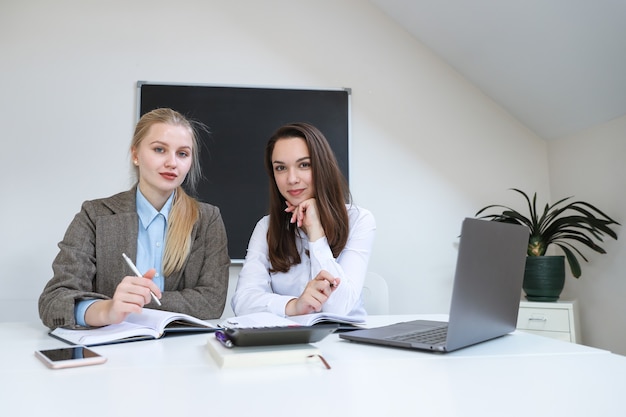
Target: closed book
250,356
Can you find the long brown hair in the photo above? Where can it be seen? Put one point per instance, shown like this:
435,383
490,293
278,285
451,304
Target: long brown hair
331,194
185,210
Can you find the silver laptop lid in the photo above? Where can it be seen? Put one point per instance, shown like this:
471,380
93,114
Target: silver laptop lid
488,281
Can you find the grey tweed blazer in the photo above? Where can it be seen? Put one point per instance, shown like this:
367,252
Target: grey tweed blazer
90,264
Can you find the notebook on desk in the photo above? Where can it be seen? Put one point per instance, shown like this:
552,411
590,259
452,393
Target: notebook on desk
485,295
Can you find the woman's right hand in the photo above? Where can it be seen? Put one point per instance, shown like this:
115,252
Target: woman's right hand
131,294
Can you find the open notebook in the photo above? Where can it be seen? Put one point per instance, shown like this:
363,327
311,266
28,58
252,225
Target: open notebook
150,324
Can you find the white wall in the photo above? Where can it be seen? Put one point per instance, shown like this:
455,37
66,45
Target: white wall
428,148
590,166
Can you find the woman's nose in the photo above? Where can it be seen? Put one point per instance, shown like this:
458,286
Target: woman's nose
170,161
293,177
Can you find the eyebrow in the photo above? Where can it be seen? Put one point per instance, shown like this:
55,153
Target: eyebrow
158,142
297,160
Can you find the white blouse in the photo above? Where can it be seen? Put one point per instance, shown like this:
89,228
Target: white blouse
259,290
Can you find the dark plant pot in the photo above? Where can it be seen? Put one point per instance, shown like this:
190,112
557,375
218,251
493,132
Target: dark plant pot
544,277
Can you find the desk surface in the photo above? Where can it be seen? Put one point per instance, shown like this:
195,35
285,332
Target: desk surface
516,375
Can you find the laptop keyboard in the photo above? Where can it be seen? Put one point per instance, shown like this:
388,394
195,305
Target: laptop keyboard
430,337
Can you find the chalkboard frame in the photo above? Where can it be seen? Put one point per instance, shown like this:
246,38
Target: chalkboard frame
240,119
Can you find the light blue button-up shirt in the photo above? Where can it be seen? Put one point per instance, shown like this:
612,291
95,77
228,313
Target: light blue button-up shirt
150,245
151,236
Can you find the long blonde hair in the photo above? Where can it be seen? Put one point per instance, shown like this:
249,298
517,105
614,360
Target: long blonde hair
185,209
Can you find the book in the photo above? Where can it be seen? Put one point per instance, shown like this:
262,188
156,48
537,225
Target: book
250,356
315,318
150,324
265,319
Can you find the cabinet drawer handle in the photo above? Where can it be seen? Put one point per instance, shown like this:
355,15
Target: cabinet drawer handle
537,318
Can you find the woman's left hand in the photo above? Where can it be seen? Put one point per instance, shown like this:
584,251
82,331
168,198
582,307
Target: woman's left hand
315,294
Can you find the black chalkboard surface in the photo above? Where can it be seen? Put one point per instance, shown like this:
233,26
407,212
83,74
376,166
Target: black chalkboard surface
240,121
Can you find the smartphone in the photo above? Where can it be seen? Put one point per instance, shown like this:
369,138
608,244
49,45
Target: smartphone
69,357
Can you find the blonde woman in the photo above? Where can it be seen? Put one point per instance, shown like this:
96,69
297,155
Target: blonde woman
178,243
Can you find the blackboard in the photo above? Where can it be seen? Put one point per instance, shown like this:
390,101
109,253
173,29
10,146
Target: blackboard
240,121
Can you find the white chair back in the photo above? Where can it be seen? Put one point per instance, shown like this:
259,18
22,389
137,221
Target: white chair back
375,294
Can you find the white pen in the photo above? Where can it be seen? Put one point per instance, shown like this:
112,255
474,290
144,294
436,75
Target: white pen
136,271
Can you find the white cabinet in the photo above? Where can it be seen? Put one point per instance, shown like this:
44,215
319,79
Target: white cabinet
558,320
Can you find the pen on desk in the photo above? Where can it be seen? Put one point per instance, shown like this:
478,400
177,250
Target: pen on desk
221,336
136,271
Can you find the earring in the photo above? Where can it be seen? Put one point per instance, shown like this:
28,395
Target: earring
136,162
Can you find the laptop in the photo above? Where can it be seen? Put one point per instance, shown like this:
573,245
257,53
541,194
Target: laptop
485,295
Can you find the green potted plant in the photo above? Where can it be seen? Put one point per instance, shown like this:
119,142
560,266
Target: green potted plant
563,224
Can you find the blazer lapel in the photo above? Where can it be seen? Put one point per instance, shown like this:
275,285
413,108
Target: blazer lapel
117,234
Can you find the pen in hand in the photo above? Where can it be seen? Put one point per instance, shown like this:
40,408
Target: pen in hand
136,271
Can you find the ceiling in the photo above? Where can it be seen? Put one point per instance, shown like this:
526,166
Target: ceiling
559,66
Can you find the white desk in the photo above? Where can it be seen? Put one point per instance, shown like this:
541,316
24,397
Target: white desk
517,375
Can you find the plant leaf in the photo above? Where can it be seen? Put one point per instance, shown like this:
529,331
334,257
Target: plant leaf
574,265
563,223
